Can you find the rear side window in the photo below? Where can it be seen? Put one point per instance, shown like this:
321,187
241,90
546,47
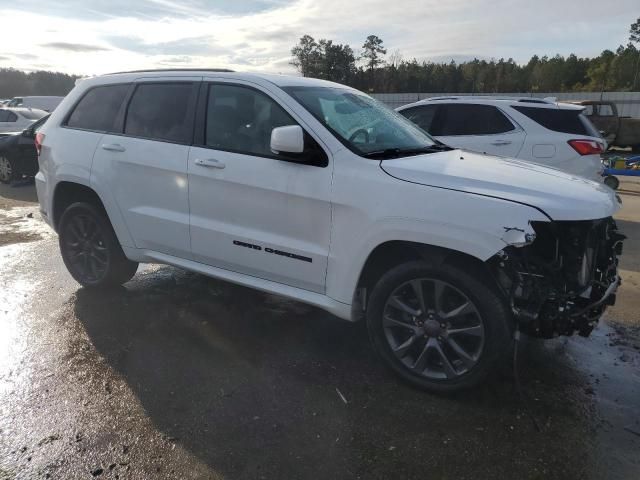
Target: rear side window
469,119
422,116
98,110
161,111
560,120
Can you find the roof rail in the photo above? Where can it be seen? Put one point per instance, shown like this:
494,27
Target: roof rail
442,98
546,101
152,70
533,100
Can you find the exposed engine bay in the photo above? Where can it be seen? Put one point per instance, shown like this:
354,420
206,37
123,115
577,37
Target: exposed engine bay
563,279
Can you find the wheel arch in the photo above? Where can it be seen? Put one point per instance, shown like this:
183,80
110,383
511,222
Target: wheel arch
69,192
392,253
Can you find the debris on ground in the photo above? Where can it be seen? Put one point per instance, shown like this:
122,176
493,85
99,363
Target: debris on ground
342,397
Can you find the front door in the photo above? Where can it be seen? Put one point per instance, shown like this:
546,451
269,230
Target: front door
253,211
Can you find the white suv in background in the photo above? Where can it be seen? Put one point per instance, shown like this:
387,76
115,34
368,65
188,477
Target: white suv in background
315,191
541,131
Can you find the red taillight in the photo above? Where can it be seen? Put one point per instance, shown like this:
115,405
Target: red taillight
587,147
38,142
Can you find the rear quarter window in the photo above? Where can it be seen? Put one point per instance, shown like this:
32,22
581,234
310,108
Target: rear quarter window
98,109
560,120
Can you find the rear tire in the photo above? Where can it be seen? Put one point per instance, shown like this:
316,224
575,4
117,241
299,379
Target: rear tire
7,170
90,248
449,340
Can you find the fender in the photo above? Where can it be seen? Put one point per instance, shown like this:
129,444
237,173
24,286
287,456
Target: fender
343,276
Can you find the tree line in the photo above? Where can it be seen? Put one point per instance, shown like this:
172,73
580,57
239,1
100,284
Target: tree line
16,83
370,71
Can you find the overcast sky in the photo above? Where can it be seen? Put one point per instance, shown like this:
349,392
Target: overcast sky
99,36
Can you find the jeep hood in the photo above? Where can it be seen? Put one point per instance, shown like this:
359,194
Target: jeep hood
561,196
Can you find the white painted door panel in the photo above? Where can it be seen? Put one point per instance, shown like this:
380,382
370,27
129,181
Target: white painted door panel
148,179
503,145
260,216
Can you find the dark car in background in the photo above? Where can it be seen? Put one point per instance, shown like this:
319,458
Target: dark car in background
18,155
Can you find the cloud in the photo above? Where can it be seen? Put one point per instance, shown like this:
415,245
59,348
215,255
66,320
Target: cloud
25,56
74,47
200,45
91,10
99,36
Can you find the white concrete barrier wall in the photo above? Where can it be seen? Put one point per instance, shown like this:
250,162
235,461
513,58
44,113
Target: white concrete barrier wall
628,103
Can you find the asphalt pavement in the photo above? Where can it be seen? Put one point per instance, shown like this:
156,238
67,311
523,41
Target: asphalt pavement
176,375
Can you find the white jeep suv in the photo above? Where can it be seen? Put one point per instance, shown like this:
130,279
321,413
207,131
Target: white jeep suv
541,131
317,192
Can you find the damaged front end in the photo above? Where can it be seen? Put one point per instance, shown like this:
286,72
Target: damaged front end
560,277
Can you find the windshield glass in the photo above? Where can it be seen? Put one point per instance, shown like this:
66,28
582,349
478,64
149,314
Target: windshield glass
362,124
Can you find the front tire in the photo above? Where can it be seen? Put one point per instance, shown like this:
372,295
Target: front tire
90,248
7,170
439,328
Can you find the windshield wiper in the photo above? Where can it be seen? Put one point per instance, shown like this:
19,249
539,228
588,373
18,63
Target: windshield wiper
401,152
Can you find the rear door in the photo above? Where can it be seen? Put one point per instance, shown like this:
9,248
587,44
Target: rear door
254,211
145,166
480,128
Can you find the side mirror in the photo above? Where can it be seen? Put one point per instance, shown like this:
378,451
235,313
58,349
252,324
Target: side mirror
288,139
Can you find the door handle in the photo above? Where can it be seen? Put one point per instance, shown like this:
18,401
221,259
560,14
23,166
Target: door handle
113,147
210,163
499,143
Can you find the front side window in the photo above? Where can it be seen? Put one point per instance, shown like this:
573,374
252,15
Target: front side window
161,111
98,109
470,119
241,119
366,126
